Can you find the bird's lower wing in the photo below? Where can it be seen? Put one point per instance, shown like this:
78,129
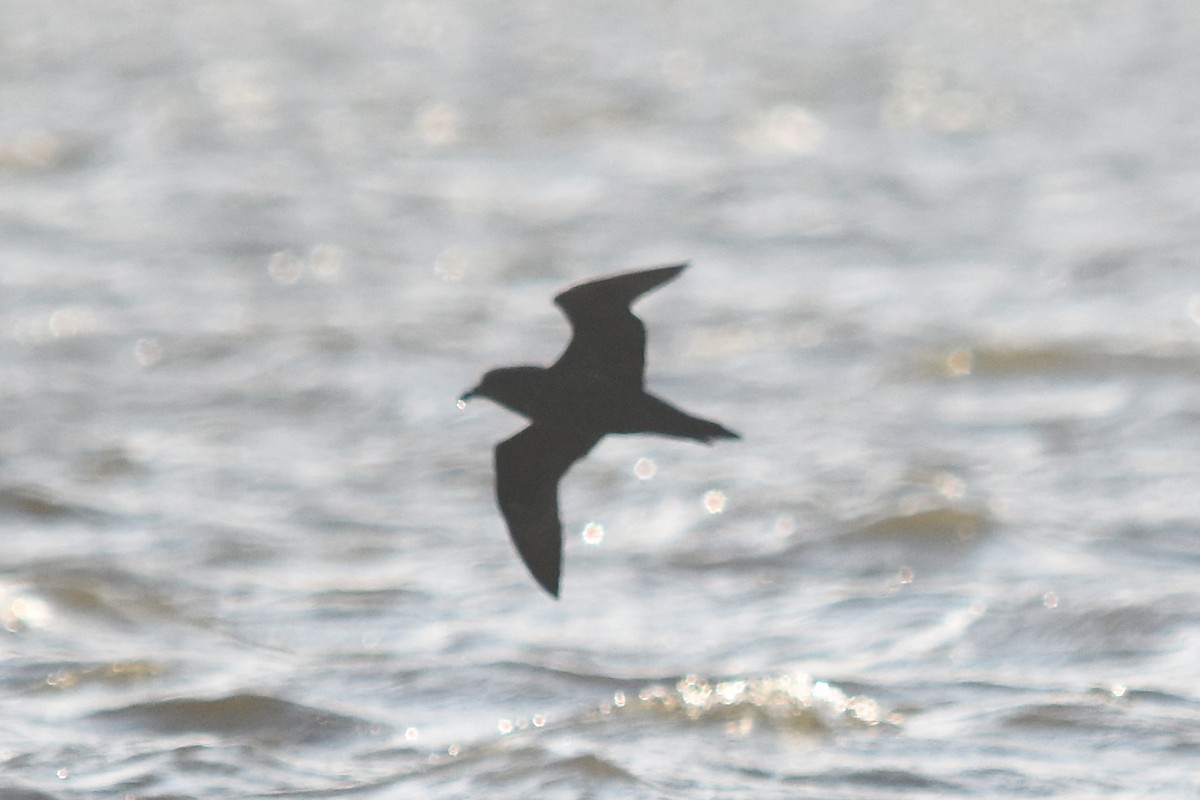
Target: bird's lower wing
528,468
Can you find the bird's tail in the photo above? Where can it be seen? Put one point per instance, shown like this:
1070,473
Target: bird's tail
663,418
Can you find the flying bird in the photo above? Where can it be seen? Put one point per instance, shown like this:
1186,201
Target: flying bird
594,389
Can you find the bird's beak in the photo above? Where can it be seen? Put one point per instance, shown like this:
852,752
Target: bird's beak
466,396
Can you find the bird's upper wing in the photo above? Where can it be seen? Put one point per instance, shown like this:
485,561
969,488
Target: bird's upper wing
607,338
528,467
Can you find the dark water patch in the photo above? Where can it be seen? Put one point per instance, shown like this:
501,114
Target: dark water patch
339,603
937,527
900,779
920,540
1168,543
109,463
1045,631
227,546
1169,720
1077,718
354,541
1062,360
39,503
1168,699
999,782
199,349
10,791
170,768
516,767
867,780
537,766
926,538
332,340
578,677
107,592
258,718
46,151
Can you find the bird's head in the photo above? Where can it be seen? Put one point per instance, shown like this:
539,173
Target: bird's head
514,388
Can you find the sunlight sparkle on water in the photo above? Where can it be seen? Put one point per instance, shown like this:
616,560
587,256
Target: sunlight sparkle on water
285,267
25,612
783,698
453,263
960,362
644,469
593,533
147,351
437,124
507,726
1193,308
949,485
786,129
72,321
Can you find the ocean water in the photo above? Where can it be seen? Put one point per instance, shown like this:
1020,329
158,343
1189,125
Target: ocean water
945,281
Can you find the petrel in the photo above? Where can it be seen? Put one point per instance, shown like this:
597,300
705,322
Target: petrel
595,388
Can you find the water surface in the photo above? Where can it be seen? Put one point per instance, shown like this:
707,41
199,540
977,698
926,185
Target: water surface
944,283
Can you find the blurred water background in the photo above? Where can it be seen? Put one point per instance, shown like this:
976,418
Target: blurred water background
944,281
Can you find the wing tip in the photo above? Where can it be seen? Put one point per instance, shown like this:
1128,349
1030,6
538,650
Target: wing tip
544,568
671,270
571,298
547,582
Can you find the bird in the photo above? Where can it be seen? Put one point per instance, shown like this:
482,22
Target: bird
595,388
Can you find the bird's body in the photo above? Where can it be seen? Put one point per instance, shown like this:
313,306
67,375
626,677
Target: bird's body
592,402
594,389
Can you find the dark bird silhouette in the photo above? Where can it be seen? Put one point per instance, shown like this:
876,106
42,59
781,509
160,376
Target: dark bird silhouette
594,389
